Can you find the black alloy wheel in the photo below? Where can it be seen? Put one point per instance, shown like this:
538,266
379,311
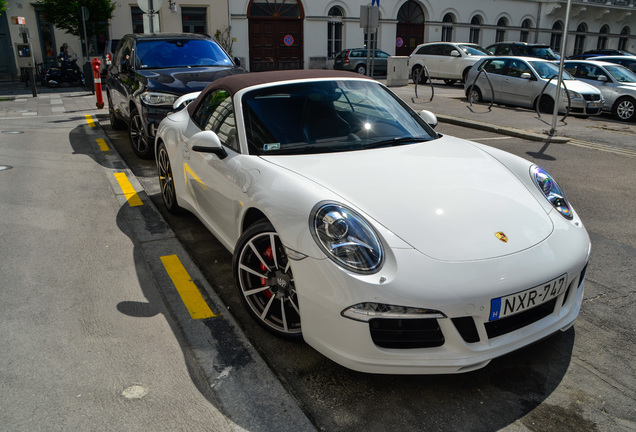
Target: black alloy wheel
166,180
265,282
137,136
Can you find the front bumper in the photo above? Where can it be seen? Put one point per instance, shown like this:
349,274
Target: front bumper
151,117
462,291
588,106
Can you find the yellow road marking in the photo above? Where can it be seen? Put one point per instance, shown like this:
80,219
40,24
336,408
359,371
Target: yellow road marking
102,144
190,294
89,120
128,190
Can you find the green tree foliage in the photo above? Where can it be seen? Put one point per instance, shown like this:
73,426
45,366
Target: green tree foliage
67,15
3,5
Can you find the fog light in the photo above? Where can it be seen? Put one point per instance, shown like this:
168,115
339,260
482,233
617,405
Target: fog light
367,311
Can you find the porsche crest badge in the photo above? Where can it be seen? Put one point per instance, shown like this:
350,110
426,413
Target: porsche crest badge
501,236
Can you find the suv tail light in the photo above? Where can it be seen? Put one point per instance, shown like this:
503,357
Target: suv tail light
346,59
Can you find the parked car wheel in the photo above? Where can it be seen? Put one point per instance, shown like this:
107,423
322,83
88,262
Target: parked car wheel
361,69
166,180
625,109
265,282
115,122
475,95
546,105
137,136
416,74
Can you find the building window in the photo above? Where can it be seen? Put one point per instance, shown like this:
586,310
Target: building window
447,27
602,38
193,20
475,29
334,31
556,40
500,35
579,40
622,41
137,19
526,25
47,40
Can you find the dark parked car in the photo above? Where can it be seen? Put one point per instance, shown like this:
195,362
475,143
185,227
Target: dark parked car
522,49
150,72
629,61
355,59
601,52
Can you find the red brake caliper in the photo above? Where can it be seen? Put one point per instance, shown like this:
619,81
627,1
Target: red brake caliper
268,253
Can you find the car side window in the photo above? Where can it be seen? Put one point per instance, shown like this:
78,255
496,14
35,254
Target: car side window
516,68
445,50
216,114
123,54
496,66
425,50
591,72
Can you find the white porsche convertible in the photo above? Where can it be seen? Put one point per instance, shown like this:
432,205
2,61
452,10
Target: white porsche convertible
388,247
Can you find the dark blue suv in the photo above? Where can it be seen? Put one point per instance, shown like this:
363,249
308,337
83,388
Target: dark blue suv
150,72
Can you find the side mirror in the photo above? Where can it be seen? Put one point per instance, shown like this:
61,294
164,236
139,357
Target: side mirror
208,142
455,53
429,118
237,61
602,78
526,75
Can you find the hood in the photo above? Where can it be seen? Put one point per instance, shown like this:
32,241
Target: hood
184,80
446,198
579,86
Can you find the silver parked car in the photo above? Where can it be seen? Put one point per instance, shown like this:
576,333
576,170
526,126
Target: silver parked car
616,82
519,81
355,59
629,61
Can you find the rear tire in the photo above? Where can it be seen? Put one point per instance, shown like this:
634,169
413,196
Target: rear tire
361,69
166,180
416,75
115,122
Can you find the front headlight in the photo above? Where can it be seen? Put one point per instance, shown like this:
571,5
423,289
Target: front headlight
346,238
551,191
572,93
157,99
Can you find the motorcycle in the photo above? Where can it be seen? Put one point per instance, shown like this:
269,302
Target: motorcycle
68,72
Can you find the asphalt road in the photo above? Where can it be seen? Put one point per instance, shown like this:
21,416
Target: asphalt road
580,380
92,340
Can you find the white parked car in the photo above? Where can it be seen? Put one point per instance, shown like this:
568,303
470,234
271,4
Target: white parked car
522,81
448,61
388,247
615,82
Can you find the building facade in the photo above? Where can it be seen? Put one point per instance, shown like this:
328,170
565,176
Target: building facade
291,34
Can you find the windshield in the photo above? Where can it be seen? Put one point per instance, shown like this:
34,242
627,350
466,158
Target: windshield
547,70
621,74
474,50
328,116
542,52
180,53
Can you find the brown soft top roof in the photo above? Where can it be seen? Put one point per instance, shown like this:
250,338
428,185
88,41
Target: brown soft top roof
235,83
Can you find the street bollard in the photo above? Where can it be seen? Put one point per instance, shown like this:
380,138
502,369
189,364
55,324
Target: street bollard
97,78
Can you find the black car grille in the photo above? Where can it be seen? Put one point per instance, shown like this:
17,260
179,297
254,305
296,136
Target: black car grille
592,97
515,322
406,333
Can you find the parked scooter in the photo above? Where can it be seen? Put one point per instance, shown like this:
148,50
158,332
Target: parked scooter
68,72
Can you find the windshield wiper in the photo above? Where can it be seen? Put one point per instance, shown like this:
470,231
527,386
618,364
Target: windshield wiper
395,142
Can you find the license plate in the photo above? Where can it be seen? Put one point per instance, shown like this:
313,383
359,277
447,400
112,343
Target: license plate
593,104
509,305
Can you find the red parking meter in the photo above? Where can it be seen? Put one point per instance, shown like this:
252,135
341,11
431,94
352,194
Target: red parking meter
97,79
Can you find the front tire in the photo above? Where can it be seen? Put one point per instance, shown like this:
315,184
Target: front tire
166,180
265,282
625,109
137,136
474,95
546,105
